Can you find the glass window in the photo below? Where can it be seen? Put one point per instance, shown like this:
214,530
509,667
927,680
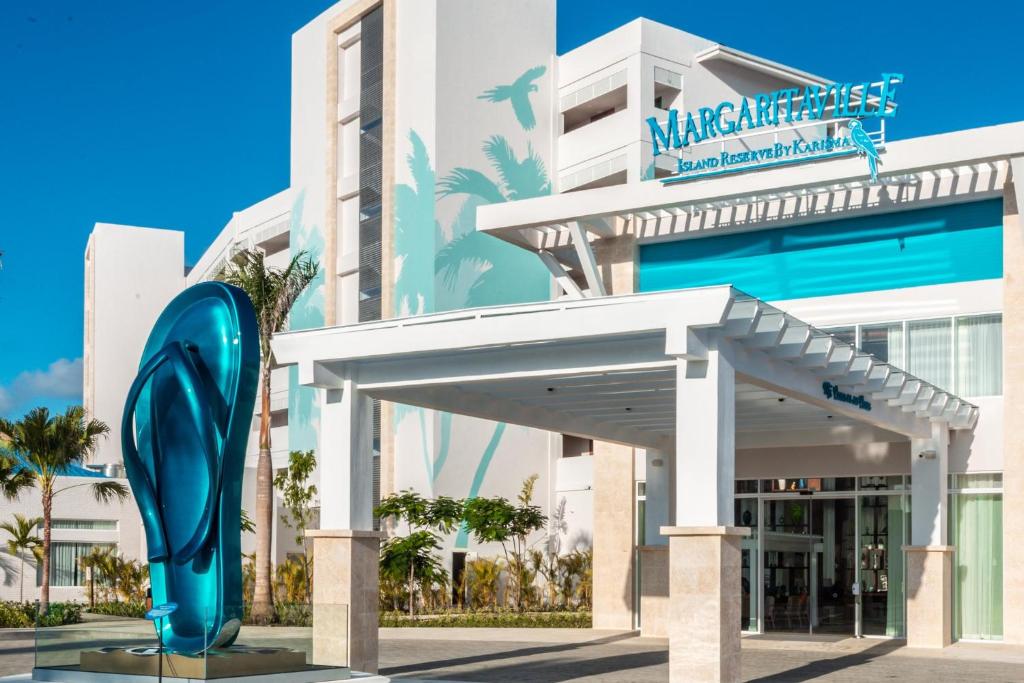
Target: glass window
979,354
929,344
641,513
65,563
976,528
985,480
884,342
882,483
746,486
93,524
844,334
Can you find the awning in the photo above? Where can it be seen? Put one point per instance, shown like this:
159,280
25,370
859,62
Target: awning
607,368
953,167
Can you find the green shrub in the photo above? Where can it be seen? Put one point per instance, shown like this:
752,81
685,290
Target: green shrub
61,614
23,614
13,615
133,610
489,619
285,614
298,614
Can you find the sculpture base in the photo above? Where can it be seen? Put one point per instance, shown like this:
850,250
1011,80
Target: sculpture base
277,665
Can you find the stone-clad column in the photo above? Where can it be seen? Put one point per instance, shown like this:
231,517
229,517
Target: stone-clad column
614,495
345,548
704,548
929,557
345,595
1013,405
613,536
704,603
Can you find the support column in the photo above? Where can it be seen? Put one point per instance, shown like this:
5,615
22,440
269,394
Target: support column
929,557
653,553
613,536
704,547
345,548
1013,405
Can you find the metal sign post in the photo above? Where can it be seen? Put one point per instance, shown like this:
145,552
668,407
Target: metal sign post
157,615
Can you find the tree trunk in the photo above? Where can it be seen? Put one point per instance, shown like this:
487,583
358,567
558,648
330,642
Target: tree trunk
412,588
22,599
44,597
262,604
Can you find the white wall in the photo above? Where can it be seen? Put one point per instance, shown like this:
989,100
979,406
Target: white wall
135,273
77,503
450,52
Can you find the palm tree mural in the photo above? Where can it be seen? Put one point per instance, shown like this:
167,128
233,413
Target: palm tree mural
482,270
470,269
499,273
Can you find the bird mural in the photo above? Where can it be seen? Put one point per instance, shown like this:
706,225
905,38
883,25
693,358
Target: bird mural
519,93
866,145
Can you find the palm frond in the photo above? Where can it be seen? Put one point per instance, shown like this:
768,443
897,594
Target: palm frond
106,491
419,165
499,152
272,291
472,182
462,250
14,478
532,179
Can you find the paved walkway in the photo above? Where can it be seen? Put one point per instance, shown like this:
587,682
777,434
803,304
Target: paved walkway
553,655
550,655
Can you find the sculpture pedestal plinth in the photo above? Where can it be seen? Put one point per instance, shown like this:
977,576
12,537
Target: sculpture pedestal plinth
141,665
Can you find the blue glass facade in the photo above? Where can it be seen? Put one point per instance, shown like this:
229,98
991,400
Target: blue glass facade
939,245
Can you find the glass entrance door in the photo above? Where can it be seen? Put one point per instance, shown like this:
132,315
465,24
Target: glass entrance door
788,551
810,564
834,520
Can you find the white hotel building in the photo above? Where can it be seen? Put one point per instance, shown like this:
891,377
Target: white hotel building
785,384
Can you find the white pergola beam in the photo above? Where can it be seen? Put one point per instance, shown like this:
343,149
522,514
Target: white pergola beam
557,270
587,260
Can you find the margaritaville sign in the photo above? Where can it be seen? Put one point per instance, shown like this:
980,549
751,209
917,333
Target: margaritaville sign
800,112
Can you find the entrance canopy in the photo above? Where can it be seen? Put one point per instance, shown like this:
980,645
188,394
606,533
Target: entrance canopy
611,368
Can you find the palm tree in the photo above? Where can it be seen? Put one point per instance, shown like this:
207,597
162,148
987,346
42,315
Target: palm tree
273,292
50,447
23,540
95,564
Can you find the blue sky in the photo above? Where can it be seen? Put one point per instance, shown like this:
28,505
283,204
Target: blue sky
176,114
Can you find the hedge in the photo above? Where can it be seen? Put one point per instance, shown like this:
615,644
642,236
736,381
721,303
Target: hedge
23,614
499,619
133,610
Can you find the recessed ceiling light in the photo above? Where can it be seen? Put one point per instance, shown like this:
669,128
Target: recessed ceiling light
781,399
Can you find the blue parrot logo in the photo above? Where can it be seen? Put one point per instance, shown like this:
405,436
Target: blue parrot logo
519,93
866,146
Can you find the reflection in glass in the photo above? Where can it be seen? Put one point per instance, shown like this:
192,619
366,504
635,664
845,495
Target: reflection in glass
882,534
746,516
929,343
787,564
834,610
976,528
979,352
884,342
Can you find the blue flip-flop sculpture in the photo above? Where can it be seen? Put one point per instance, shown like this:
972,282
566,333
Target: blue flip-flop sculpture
186,425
